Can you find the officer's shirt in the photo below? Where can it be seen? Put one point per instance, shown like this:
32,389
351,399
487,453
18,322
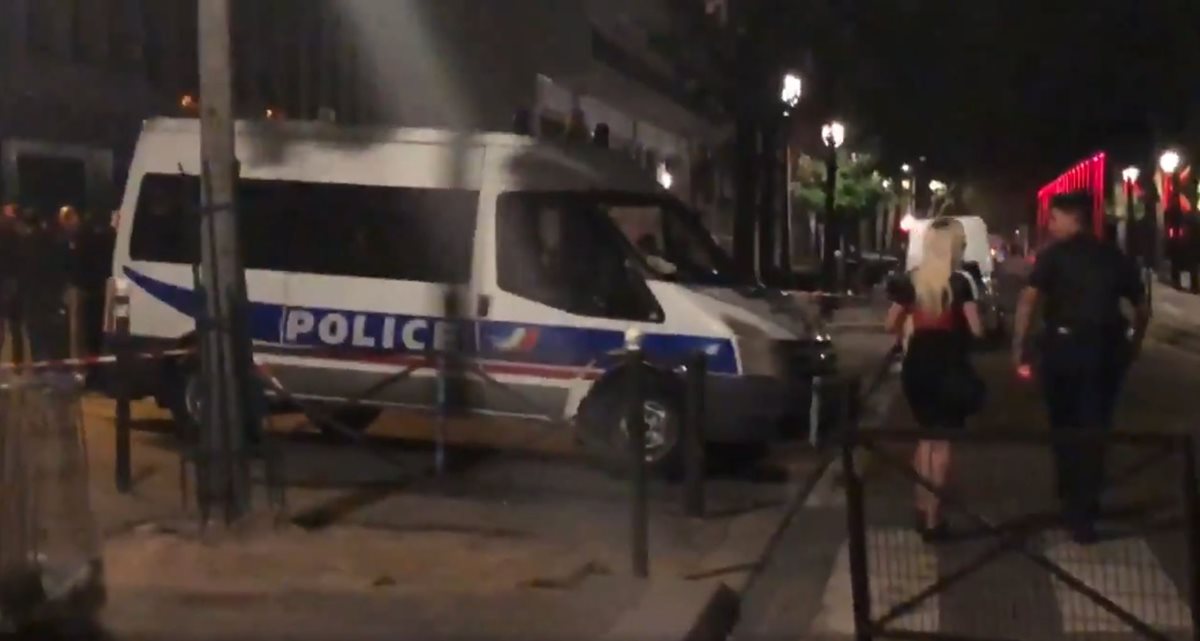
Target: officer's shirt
1082,281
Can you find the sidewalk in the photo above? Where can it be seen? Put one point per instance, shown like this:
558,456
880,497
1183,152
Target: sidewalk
805,594
1176,319
517,541
509,545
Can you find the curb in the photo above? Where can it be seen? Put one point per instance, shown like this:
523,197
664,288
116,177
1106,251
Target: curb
1181,338
708,609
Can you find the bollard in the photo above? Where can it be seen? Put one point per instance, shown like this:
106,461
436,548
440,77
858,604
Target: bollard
814,411
437,360
121,343
693,437
635,424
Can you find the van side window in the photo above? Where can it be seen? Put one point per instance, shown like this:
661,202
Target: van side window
166,226
558,251
320,228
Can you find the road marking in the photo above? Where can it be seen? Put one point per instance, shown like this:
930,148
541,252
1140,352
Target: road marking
888,589
1127,573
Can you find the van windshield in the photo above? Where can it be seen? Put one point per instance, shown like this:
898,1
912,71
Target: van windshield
662,235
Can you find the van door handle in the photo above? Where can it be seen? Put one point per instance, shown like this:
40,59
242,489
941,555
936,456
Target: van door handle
483,305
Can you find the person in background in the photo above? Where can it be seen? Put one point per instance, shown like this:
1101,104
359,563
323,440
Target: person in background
71,234
42,281
8,273
938,379
1087,347
98,243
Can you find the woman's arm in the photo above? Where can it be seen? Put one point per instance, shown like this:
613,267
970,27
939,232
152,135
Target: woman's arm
896,316
971,313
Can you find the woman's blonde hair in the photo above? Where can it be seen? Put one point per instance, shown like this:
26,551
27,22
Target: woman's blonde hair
942,255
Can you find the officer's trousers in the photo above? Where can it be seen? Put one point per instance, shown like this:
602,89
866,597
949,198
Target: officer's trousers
1081,374
48,327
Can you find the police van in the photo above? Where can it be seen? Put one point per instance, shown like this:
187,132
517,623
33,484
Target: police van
366,248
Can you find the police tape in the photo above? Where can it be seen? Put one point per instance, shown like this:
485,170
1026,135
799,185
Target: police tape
88,361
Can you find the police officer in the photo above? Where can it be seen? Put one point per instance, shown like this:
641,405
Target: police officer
42,281
8,274
1086,348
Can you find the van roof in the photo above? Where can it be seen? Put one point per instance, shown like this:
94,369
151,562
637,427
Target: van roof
333,132
536,156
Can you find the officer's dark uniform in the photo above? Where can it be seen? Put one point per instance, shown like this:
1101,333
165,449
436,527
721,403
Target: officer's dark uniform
1084,354
8,279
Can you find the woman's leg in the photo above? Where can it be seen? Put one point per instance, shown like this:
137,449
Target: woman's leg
921,465
939,471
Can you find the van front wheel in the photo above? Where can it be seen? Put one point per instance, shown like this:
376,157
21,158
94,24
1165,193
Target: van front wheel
604,430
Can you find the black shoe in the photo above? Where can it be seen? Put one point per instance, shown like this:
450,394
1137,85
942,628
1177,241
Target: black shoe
937,533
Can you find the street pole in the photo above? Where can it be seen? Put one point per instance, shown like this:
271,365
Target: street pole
785,244
830,249
223,469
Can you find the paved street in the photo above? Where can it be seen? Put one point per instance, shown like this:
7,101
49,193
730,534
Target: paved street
516,540
804,593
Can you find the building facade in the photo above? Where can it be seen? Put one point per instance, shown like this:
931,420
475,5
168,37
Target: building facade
78,77
74,87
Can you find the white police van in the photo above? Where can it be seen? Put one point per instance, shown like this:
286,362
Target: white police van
356,241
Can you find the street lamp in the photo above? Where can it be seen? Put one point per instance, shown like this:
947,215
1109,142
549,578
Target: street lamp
833,134
790,93
1169,161
906,184
1129,177
937,186
886,183
906,168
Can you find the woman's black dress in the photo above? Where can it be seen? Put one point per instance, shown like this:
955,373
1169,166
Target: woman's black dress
937,368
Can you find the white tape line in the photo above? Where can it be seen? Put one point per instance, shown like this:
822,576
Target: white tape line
1126,572
899,548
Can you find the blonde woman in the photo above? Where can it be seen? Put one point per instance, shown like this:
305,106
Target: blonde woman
939,299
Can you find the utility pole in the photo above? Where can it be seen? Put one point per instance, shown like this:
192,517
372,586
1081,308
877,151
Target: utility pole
222,469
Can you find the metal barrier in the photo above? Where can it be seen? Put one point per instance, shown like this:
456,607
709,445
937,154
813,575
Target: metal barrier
1009,569
448,366
49,545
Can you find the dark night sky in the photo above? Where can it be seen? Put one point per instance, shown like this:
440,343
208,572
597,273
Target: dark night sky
1015,90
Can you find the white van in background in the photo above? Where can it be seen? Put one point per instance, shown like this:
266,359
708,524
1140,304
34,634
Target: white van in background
357,242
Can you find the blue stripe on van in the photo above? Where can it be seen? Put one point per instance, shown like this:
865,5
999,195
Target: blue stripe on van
376,334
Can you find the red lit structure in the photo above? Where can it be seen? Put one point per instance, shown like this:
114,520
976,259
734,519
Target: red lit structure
1088,175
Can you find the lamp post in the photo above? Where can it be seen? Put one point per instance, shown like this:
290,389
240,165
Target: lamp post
790,92
1169,163
833,134
937,189
1129,178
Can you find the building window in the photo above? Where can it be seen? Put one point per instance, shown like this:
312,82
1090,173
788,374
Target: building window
48,26
121,26
89,33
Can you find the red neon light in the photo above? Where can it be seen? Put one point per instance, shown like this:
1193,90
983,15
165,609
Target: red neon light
1086,175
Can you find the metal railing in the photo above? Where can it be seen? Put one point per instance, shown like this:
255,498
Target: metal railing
1010,566
49,544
